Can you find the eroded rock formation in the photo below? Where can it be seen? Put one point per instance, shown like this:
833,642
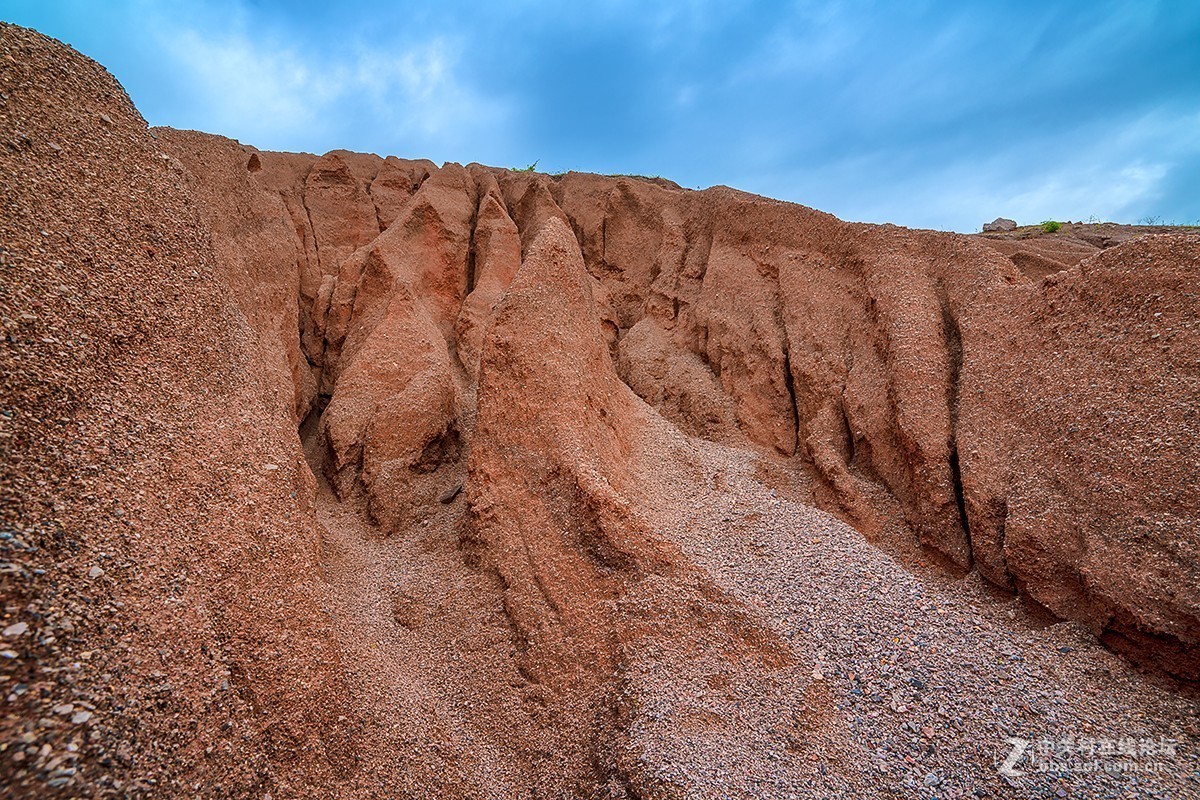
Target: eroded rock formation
513,389
841,350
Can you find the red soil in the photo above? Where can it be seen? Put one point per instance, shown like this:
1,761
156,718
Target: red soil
350,476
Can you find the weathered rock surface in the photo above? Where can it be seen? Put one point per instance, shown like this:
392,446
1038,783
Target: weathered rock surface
547,526
562,458
1078,463
166,554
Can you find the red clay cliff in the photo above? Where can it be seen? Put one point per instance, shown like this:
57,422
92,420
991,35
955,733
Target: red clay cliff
354,476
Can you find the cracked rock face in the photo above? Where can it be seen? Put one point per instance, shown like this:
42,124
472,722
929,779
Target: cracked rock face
512,392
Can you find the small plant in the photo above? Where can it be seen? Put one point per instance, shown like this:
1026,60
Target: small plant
1151,221
1051,226
529,168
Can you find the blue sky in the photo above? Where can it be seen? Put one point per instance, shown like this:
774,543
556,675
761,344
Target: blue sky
928,114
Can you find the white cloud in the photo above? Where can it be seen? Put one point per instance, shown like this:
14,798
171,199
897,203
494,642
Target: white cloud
1115,171
419,89
269,92
247,87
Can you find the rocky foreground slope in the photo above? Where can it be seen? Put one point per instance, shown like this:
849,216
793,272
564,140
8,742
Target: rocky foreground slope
361,477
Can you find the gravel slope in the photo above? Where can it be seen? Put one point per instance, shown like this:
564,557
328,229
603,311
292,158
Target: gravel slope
921,678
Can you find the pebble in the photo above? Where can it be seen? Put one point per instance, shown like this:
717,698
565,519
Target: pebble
95,572
449,494
17,629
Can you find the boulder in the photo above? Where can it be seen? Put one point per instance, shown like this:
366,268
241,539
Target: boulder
999,224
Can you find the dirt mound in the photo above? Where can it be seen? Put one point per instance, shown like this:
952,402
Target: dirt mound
562,455
362,477
158,525
1038,252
